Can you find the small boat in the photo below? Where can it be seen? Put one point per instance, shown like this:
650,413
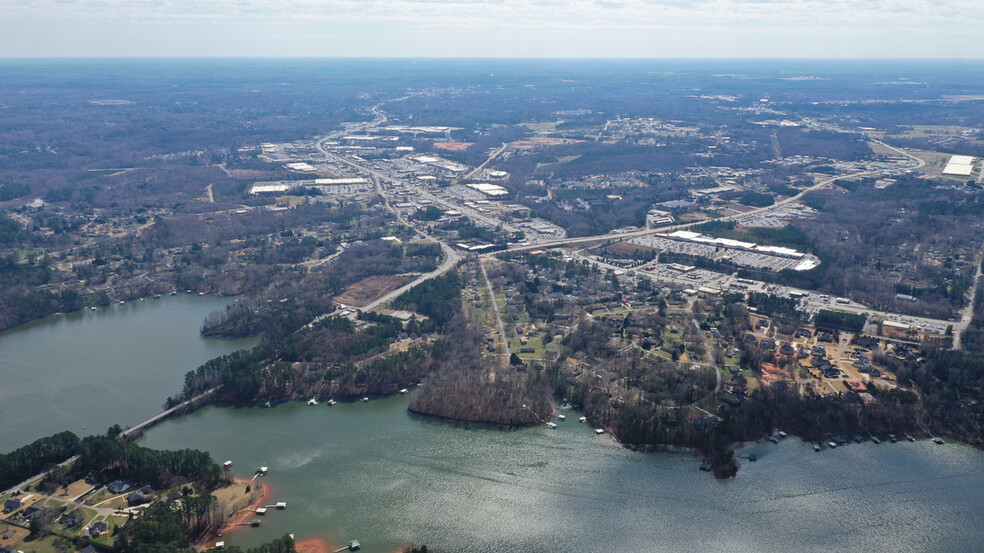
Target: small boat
938,440
910,437
354,545
753,457
262,470
157,296
773,439
93,308
832,444
332,402
782,434
313,401
122,302
561,417
705,466
267,404
816,447
173,293
552,425
201,293
365,400
582,419
892,438
141,299
599,430
403,391
858,438
876,439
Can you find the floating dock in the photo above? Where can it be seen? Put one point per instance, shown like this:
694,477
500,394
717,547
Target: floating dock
352,546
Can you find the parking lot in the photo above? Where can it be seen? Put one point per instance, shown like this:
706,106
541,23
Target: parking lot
719,253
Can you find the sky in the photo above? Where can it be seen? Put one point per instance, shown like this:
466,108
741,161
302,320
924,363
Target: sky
493,28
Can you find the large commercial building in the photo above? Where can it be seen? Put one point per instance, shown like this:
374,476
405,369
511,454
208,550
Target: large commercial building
959,166
490,190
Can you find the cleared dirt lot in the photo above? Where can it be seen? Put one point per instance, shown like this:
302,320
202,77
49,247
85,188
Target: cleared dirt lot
368,289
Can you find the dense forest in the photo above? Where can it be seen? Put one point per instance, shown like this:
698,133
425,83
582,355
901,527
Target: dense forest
36,457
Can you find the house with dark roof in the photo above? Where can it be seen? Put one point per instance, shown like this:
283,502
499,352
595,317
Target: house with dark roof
118,486
11,505
97,528
73,518
33,512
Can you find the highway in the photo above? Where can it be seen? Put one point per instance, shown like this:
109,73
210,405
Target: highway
814,301
471,174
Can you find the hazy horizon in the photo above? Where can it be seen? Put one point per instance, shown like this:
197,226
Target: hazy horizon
634,29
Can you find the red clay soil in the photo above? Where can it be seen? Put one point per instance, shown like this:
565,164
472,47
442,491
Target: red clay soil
249,513
771,374
452,146
312,546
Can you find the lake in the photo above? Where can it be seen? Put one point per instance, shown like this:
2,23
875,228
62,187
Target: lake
88,370
374,472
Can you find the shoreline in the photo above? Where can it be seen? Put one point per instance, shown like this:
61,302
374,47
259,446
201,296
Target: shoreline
242,515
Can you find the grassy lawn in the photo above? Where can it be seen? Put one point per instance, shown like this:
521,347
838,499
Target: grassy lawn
47,544
535,341
98,497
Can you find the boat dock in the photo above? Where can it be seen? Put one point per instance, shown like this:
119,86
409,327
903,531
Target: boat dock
352,546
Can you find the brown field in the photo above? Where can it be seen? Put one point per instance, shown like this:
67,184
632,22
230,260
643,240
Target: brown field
368,289
248,173
772,373
535,141
452,146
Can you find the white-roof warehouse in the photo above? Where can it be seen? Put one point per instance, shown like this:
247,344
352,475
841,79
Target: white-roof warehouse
959,166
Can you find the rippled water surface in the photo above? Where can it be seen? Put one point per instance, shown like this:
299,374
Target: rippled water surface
379,474
88,370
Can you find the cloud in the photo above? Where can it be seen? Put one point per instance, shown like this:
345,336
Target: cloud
545,14
539,28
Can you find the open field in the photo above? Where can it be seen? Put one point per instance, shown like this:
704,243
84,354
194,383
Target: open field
368,289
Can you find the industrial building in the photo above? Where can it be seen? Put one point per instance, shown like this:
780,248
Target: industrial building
490,190
959,166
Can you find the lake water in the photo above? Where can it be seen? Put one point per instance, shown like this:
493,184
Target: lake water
376,473
88,370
